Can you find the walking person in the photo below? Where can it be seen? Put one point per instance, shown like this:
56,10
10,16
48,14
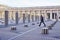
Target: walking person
42,21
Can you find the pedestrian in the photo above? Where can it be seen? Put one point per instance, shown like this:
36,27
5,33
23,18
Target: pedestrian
42,21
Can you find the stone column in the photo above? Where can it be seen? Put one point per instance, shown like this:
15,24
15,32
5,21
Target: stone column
54,15
45,14
1,14
19,16
6,18
12,15
57,15
28,17
35,17
32,18
24,18
51,14
32,15
16,17
38,18
39,15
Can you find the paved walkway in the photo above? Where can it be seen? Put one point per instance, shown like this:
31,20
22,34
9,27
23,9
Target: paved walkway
36,34
33,32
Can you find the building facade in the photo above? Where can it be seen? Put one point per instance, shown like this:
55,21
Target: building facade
49,12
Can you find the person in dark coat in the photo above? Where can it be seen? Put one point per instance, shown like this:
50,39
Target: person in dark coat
42,21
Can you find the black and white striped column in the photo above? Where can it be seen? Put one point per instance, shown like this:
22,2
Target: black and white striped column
16,17
6,18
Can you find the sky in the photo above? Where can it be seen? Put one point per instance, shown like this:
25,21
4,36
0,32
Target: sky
29,3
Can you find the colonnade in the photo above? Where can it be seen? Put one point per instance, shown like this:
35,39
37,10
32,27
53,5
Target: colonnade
30,15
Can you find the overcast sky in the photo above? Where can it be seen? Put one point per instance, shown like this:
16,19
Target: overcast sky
29,3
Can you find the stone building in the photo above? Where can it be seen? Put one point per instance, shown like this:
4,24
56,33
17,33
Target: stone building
49,12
